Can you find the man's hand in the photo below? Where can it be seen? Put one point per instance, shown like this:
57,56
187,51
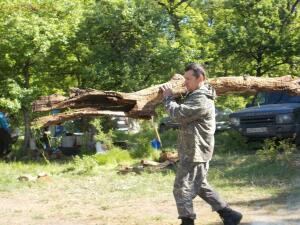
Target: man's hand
167,90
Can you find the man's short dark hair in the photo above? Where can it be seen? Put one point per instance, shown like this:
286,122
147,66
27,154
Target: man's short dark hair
197,69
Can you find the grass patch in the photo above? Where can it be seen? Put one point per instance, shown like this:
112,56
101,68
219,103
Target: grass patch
92,184
248,171
11,171
228,172
114,156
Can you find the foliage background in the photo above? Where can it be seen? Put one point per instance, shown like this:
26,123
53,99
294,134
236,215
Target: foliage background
126,45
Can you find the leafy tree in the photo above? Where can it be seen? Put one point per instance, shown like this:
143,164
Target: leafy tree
48,46
189,31
122,45
256,37
28,31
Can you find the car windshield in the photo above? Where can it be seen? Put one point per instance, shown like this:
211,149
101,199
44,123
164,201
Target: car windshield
264,98
286,98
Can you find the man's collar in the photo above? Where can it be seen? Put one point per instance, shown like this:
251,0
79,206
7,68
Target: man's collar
200,86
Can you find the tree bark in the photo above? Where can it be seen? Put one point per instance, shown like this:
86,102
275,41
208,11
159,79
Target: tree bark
74,114
25,110
141,104
26,116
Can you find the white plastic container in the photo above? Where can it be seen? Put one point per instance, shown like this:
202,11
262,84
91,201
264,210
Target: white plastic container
99,148
68,141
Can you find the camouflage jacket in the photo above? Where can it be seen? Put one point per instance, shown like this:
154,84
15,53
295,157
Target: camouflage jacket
196,116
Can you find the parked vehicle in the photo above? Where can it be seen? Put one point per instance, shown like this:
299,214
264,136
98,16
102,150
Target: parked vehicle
222,121
126,124
271,114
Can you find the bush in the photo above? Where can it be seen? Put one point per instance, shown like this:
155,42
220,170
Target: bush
16,149
169,138
230,141
101,136
142,147
154,155
113,156
232,101
86,165
276,150
82,166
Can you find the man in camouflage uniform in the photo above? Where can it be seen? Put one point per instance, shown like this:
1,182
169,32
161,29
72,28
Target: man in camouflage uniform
196,117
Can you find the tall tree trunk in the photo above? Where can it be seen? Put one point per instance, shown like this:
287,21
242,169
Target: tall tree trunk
25,109
26,116
259,60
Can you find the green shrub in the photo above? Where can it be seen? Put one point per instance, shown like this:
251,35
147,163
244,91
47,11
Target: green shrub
169,138
16,149
230,141
232,101
121,136
160,112
82,166
155,155
140,143
276,150
101,136
142,148
113,156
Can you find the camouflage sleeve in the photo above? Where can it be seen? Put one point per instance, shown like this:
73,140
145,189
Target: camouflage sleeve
193,108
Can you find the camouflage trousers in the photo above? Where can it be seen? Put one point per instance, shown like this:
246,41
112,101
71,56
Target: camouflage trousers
191,181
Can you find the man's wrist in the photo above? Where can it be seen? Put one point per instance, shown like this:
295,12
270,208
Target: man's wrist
168,97
167,100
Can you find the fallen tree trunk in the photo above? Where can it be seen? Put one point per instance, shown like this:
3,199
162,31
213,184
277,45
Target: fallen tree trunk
72,115
251,84
141,104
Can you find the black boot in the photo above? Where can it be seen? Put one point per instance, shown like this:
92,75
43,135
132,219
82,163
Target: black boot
187,221
230,216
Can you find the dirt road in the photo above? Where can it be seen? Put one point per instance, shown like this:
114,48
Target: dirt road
91,202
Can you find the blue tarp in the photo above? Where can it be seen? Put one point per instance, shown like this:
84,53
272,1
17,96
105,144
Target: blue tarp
155,144
4,122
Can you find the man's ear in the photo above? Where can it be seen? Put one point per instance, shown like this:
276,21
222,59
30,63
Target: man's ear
201,78
204,78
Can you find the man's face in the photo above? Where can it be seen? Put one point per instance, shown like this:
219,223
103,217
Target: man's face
191,82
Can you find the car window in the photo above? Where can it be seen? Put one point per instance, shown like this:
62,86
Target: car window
260,99
274,97
286,98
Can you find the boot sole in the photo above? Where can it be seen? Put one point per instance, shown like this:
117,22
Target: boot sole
237,221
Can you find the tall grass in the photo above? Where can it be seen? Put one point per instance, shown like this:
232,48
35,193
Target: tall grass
276,150
114,156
